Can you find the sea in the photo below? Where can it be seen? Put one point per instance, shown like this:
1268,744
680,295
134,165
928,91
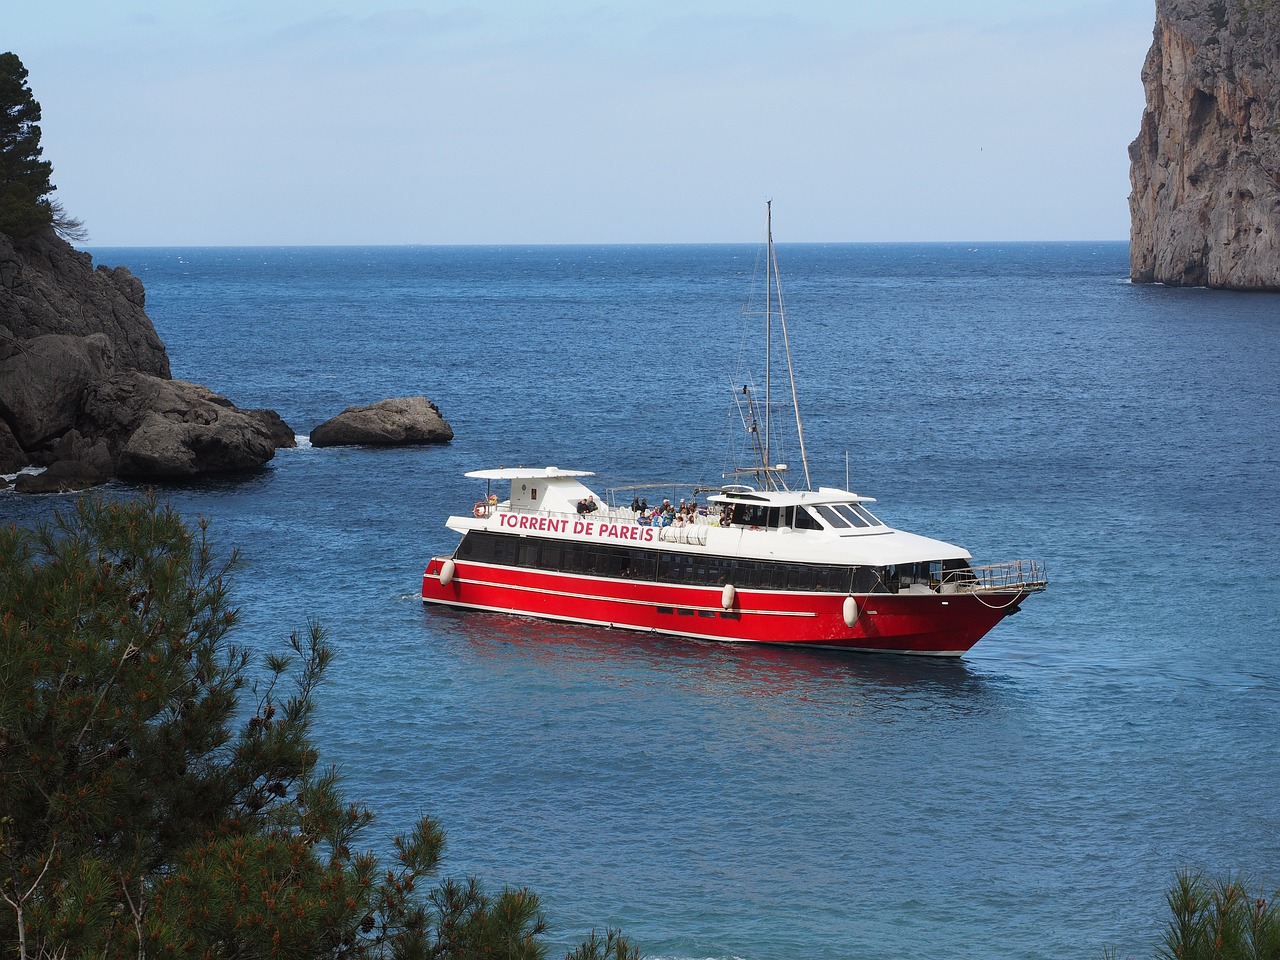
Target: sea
1033,799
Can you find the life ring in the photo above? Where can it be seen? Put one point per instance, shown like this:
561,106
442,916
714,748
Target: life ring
481,509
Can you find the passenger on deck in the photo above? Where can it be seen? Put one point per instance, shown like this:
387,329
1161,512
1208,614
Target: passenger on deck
635,504
588,505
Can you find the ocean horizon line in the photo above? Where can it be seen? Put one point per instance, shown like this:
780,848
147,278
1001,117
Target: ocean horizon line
581,245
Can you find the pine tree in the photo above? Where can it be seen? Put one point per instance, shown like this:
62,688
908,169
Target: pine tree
24,177
143,814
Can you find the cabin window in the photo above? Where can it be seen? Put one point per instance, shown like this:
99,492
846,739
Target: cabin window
834,519
806,520
866,514
755,515
846,511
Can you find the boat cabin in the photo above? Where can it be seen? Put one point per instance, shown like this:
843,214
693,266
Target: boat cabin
825,509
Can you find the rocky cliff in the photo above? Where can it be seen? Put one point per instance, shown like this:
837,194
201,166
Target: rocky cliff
85,382
1205,167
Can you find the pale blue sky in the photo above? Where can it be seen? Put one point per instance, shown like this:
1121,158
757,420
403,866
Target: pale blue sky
569,121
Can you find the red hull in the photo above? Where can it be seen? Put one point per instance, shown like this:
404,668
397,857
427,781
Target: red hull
928,623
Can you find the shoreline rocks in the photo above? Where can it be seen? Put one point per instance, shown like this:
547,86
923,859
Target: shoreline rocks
86,390
398,421
85,384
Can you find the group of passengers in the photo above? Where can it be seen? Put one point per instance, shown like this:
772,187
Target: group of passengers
667,515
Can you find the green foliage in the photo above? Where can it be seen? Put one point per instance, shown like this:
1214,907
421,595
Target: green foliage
613,946
144,814
1219,920
24,177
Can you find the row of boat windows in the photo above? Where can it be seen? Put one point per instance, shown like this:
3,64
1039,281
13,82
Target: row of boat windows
841,516
566,556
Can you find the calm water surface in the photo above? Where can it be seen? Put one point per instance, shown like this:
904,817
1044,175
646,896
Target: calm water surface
1030,800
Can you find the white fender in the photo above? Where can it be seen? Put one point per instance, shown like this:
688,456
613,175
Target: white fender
447,571
727,596
850,612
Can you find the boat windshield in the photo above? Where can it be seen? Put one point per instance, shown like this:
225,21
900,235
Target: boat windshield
842,516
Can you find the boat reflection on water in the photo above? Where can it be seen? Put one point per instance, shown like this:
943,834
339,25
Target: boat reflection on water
757,670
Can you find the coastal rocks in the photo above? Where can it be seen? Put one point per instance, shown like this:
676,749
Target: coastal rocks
43,382
49,287
85,386
62,477
12,457
398,421
1205,167
171,429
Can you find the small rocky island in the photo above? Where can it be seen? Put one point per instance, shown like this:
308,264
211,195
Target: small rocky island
1205,167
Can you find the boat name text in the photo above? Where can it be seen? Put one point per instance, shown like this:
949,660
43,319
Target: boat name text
579,528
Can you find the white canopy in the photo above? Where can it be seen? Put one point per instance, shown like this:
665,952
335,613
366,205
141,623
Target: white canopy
527,473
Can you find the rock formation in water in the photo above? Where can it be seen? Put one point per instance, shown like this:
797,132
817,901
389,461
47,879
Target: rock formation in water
1205,167
85,381
399,421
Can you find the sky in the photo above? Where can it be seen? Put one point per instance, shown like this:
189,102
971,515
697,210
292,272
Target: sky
246,122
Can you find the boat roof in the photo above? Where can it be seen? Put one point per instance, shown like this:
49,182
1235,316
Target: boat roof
789,498
527,473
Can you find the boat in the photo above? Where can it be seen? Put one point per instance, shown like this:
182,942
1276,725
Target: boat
744,560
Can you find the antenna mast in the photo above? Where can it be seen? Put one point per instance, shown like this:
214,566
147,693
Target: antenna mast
771,267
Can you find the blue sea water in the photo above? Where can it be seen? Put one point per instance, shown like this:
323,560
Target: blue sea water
1033,799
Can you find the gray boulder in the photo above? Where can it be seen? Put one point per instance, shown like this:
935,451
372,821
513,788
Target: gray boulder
12,457
43,381
65,476
396,422
170,429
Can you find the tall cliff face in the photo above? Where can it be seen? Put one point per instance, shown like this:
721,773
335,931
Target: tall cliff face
1205,167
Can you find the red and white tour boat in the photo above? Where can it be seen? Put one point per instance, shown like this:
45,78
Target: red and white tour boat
748,562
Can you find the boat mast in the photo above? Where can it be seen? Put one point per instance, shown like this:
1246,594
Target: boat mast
769,273
771,267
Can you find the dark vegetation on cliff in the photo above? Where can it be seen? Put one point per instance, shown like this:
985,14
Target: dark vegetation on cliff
163,796
25,179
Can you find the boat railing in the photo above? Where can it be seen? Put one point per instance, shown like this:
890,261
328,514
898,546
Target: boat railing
1026,576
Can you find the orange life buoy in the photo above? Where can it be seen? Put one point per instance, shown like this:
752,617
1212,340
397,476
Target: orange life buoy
481,509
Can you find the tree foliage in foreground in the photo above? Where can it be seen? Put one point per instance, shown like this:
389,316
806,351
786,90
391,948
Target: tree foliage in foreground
1219,920
159,799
